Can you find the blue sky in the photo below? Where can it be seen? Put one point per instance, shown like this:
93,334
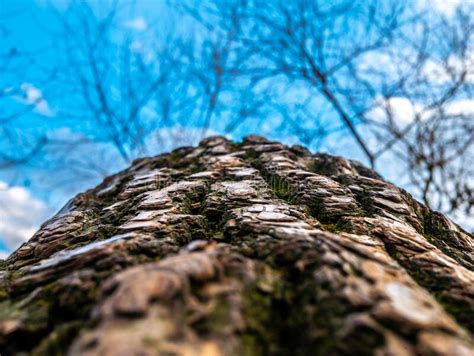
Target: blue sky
26,195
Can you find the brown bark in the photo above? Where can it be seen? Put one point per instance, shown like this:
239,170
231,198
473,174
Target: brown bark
241,248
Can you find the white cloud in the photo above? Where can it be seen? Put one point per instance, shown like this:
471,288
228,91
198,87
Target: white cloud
381,67
31,93
441,73
445,7
466,221
20,214
138,24
43,108
436,72
34,96
403,111
460,107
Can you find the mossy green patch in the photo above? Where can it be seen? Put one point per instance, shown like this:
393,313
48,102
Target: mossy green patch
296,316
31,316
437,232
251,155
218,317
282,189
178,160
58,341
337,227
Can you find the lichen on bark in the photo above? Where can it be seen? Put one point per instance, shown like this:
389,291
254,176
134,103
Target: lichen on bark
241,248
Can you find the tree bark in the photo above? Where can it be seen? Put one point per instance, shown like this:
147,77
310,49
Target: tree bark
241,248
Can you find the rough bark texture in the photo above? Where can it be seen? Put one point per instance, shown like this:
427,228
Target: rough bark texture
241,248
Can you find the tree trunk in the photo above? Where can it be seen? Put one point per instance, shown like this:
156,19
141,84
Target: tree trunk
241,248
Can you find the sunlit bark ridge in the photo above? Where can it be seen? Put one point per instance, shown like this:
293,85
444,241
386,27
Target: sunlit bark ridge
241,248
